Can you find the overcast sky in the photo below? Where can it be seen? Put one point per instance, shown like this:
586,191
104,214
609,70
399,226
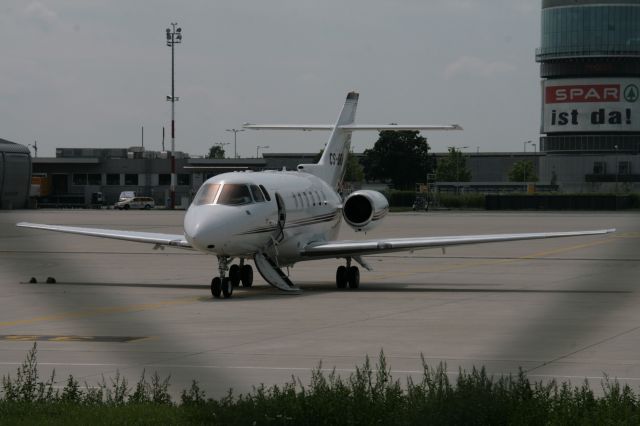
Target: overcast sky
90,73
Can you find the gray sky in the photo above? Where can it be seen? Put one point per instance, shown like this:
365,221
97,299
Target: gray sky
90,73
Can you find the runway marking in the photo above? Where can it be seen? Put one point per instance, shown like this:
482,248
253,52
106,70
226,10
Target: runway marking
46,338
107,310
465,265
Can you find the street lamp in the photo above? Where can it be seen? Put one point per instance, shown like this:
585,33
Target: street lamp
174,36
235,140
616,166
524,145
535,147
259,147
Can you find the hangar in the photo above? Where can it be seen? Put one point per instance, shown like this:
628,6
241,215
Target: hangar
15,175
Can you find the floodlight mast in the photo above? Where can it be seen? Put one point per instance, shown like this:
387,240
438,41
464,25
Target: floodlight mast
174,36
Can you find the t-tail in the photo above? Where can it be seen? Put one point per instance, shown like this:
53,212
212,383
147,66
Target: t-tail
332,164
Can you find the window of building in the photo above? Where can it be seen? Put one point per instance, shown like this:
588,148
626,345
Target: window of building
94,179
624,167
184,179
164,179
113,179
131,179
599,168
79,178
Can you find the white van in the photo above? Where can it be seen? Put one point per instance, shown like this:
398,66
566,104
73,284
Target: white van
125,195
136,203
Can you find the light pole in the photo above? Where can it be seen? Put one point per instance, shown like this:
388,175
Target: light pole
616,166
259,147
535,148
524,145
174,36
235,140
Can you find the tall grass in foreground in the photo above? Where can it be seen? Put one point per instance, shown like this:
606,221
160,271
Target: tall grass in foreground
368,396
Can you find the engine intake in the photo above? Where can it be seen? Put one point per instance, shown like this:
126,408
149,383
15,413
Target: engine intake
363,210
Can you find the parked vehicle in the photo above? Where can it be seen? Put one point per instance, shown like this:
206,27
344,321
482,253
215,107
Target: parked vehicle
125,195
145,203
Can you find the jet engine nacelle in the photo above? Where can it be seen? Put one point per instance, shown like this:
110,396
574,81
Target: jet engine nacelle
363,210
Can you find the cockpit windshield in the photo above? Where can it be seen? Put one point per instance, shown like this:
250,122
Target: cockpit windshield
234,195
206,194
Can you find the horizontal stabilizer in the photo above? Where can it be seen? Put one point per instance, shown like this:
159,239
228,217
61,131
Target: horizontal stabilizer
351,127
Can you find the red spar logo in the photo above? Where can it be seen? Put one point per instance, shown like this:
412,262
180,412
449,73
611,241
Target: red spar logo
582,93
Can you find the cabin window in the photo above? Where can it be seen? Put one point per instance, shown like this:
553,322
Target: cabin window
257,194
300,199
306,198
233,194
295,200
265,192
206,194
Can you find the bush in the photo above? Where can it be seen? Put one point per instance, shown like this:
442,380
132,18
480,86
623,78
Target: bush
368,396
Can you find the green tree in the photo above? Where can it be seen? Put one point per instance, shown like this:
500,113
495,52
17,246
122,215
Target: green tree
522,171
216,151
401,157
453,167
353,172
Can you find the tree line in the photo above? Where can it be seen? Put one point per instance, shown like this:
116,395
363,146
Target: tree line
402,159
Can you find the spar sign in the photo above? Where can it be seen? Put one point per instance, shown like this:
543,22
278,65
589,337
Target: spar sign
586,105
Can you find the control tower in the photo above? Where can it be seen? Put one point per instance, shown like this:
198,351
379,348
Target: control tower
590,69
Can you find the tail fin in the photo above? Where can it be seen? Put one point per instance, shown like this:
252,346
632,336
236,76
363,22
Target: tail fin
332,164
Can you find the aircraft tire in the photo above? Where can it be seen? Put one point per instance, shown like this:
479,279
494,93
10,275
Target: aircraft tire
246,276
341,277
353,277
234,275
227,287
216,287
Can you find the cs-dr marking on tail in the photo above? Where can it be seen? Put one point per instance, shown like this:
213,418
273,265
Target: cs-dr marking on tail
279,218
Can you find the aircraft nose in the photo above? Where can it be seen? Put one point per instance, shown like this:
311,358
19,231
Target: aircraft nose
206,227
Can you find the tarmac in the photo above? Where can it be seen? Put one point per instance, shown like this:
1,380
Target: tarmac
564,309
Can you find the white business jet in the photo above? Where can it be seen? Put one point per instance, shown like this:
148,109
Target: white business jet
279,218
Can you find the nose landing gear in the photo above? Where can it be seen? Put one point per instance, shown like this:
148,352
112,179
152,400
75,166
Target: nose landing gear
348,275
223,286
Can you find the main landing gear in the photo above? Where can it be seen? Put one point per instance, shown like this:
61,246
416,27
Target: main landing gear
222,285
348,276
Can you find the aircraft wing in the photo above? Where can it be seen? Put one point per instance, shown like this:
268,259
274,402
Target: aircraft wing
342,248
173,240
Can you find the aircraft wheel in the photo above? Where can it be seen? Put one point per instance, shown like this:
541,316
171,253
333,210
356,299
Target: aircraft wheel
216,287
353,277
227,287
246,276
234,275
341,277
126,207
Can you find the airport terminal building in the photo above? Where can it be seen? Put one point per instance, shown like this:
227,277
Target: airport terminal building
590,68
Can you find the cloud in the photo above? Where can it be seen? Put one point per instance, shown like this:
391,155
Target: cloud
471,65
40,15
